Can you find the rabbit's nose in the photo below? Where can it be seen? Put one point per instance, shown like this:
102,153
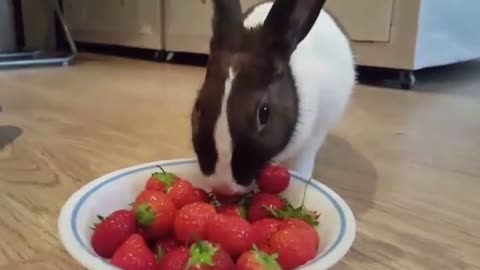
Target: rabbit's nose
223,182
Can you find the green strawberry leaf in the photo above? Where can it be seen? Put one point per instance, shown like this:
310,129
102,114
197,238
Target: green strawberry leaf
201,253
95,224
246,200
160,253
310,217
268,262
242,211
144,215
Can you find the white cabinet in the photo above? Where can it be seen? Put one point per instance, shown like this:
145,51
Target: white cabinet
365,20
118,22
399,34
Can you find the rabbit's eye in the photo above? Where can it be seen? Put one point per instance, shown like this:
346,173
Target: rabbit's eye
263,115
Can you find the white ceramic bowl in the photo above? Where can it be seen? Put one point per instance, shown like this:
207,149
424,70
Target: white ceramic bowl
118,189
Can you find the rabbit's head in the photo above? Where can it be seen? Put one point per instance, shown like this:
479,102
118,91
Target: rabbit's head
247,108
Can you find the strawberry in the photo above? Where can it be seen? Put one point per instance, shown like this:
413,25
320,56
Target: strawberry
155,213
161,181
182,193
112,231
202,195
263,230
165,246
207,256
300,224
233,233
262,205
191,221
134,254
176,259
301,212
257,260
295,246
233,210
273,179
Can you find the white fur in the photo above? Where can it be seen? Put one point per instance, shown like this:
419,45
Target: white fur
222,180
324,73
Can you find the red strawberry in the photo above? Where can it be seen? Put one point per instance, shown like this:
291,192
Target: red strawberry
207,256
261,204
202,195
182,193
165,246
155,213
161,181
295,223
273,179
263,230
295,246
233,233
300,224
177,259
134,254
257,260
233,210
191,221
112,232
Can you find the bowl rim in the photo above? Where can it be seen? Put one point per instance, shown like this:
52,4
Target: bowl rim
72,242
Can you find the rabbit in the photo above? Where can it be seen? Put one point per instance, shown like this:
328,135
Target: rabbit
278,78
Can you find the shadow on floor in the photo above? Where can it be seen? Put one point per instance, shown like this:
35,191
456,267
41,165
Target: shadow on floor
8,134
348,172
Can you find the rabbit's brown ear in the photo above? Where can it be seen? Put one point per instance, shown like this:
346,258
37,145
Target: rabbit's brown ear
289,22
227,23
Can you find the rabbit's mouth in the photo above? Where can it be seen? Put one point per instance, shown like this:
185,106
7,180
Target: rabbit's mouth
224,182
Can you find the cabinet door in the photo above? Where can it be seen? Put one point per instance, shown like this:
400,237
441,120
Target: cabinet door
365,20
188,24
118,22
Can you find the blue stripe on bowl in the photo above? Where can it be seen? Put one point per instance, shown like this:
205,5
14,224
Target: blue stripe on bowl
81,201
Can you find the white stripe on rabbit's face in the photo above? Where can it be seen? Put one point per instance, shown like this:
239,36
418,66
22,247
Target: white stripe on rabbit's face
222,180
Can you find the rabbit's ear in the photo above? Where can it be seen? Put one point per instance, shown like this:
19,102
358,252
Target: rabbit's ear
227,23
288,23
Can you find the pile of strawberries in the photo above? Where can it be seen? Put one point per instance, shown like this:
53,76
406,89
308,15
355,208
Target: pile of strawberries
174,225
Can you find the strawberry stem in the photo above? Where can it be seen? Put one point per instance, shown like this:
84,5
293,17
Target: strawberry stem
305,191
163,171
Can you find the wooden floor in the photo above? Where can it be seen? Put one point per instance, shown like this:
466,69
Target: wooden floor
408,163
